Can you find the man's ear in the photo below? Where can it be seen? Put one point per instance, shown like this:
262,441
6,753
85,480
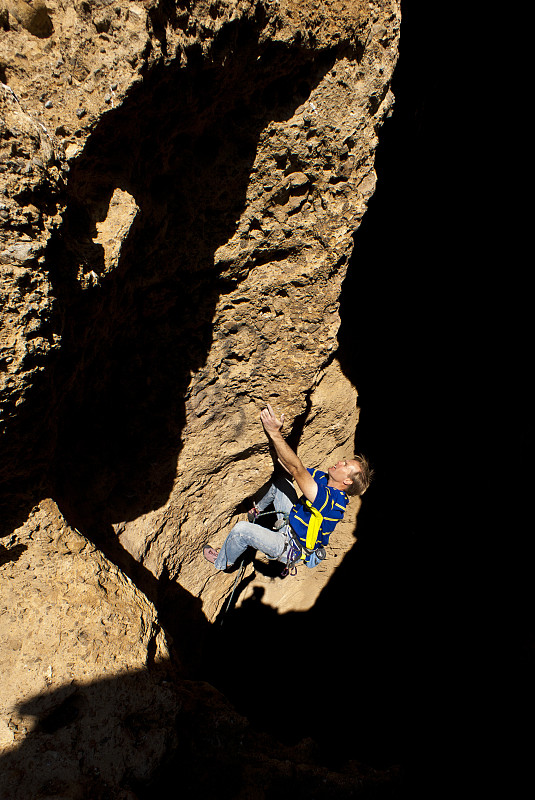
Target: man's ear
347,481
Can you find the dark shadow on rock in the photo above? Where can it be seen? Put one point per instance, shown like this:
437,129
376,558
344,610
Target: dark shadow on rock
356,673
103,738
359,672
179,612
238,588
11,553
149,732
182,145
21,492
100,431
337,673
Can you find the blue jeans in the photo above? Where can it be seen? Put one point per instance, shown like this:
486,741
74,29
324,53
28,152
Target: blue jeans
248,534
282,494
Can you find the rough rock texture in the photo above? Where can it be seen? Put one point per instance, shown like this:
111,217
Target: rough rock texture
180,183
221,157
83,660
91,705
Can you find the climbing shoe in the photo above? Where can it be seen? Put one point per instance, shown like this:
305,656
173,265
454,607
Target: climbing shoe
210,553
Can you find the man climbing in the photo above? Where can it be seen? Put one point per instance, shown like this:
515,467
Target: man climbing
325,497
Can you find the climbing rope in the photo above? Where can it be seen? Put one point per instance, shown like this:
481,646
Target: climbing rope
285,517
239,576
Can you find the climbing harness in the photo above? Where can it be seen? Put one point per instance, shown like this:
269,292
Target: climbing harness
294,554
312,551
299,549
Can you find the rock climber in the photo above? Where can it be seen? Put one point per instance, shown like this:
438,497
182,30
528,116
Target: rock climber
323,492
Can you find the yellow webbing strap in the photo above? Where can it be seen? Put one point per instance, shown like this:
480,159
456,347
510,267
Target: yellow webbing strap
314,526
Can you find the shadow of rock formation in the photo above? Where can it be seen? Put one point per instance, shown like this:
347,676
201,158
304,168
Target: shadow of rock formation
182,145
339,672
101,740
101,428
112,714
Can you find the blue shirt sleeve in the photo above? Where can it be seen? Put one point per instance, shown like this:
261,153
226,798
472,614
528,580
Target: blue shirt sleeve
321,480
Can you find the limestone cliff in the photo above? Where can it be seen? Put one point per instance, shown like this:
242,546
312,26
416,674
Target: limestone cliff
180,183
82,658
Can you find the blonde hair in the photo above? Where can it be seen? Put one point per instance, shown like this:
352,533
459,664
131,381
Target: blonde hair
361,478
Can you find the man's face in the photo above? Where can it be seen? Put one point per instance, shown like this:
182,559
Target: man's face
343,470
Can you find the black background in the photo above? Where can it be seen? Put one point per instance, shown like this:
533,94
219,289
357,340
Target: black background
427,621
439,292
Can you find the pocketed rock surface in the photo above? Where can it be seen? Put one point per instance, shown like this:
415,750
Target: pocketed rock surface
85,665
181,186
180,183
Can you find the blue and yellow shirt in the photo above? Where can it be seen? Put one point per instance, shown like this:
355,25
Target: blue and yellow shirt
330,502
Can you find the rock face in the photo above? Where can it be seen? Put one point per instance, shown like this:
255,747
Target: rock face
180,186
83,658
187,263
92,705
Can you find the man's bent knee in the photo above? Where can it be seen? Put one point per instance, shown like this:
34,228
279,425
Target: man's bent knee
240,529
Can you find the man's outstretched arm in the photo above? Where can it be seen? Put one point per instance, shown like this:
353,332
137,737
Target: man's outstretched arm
289,460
